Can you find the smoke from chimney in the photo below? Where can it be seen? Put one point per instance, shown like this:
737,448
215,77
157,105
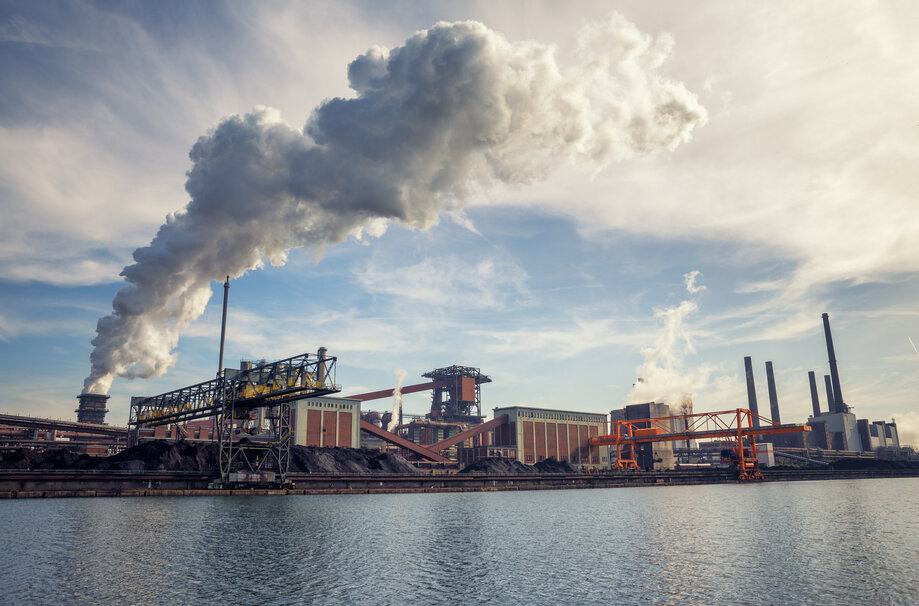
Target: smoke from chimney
396,419
455,107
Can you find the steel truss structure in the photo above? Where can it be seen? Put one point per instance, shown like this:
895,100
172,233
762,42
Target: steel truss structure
232,397
734,425
457,393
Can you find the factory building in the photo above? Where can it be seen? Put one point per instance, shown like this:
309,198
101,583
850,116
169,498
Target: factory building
657,455
835,431
878,434
532,435
326,421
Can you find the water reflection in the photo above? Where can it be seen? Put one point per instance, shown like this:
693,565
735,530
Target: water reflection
777,543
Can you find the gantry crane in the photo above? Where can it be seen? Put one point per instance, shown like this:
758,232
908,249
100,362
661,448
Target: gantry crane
735,425
231,397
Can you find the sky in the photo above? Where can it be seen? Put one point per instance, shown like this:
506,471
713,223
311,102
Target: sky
569,196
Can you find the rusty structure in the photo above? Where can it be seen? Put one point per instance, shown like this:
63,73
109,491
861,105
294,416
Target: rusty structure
458,398
232,399
92,408
456,410
735,426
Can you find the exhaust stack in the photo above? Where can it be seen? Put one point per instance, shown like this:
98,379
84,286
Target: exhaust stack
831,401
321,371
751,390
773,397
839,405
815,400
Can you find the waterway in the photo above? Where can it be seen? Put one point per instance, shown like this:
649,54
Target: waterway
822,542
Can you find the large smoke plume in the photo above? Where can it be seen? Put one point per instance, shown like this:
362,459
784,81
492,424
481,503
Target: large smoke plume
455,107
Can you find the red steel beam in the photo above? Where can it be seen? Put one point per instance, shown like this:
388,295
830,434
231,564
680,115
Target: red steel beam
402,442
386,393
465,435
698,435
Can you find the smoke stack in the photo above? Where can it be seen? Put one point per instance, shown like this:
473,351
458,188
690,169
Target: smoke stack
321,370
773,398
839,405
831,401
815,400
92,408
751,390
223,326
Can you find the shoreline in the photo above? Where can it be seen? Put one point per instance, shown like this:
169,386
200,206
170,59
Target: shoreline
17,484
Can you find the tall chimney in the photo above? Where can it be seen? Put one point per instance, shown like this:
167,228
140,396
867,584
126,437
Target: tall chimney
831,401
815,400
321,367
751,390
773,398
834,371
223,326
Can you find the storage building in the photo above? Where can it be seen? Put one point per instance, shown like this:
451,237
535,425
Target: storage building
536,434
326,421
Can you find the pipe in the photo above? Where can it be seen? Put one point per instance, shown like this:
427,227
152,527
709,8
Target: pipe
831,401
773,398
223,326
815,400
751,390
834,371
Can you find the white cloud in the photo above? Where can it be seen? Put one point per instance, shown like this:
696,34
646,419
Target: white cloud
572,338
450,282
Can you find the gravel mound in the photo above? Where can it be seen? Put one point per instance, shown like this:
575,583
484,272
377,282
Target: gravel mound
512,467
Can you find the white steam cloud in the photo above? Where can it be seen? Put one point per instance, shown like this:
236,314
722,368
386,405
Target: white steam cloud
689,280
455,107
663,374
401,375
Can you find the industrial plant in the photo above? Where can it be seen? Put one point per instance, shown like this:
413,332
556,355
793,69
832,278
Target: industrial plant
257,413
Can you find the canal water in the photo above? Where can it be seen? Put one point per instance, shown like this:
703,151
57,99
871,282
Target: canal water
825,542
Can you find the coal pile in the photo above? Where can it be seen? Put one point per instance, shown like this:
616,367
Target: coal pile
55,458
855,464
512,467
313,459
155,455
160,455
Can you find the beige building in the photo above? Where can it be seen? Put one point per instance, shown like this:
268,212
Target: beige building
326,421
537,434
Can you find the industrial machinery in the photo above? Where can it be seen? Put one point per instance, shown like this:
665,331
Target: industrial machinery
736,426
456,410
231,398
457,395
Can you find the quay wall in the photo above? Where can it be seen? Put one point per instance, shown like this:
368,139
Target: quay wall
44,484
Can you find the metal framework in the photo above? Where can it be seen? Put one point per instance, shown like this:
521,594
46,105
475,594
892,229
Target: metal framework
459,393
737,426
232,397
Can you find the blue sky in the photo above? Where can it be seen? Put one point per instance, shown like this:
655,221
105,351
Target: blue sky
796,196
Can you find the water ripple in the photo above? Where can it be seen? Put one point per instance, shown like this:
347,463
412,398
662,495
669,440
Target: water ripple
840,542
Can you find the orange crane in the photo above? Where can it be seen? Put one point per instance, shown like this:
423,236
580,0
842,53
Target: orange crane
735,425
